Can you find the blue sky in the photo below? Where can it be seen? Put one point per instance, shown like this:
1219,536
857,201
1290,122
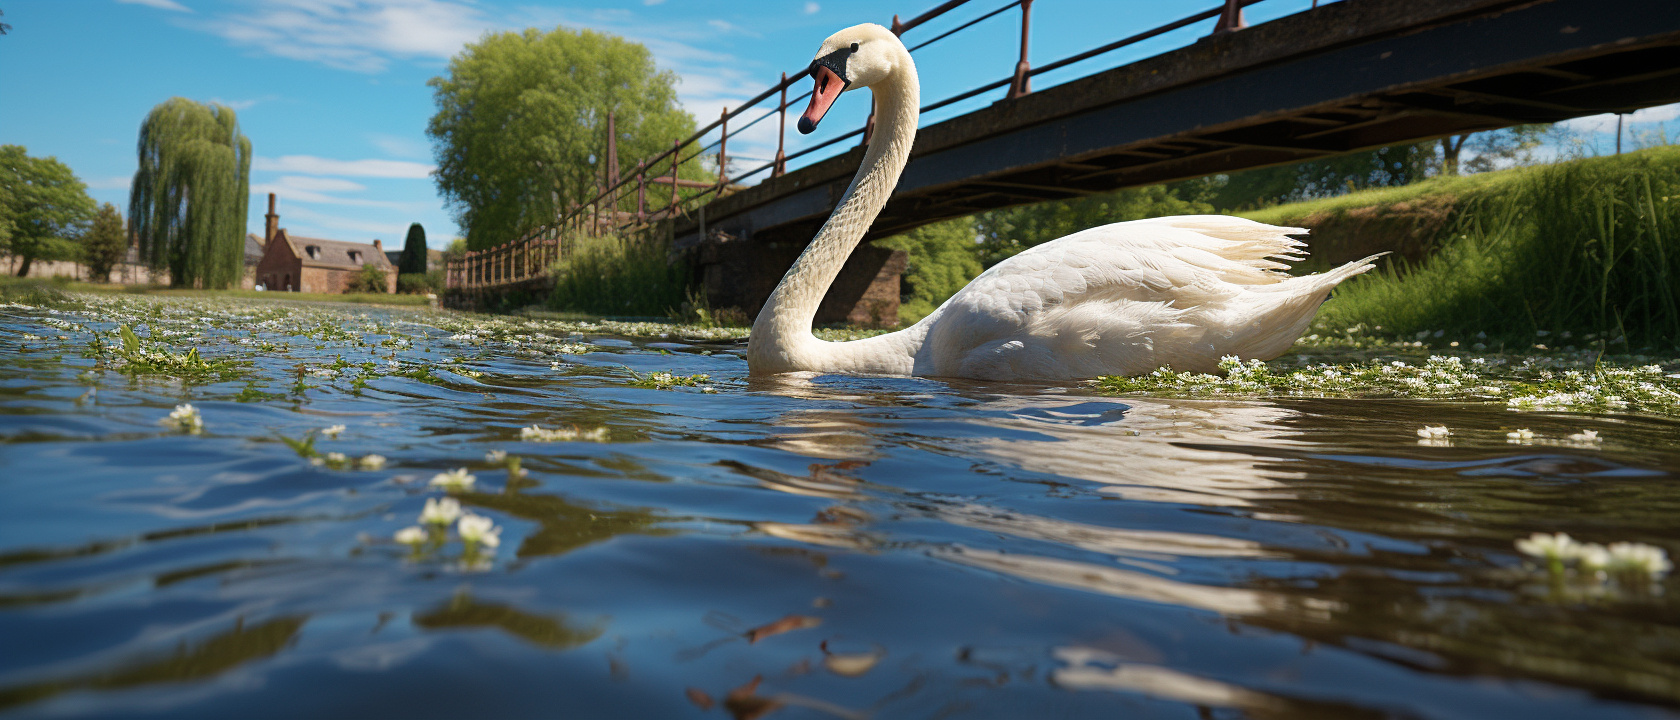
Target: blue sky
333,93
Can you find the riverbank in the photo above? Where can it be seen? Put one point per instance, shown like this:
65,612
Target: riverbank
10,286
1583,254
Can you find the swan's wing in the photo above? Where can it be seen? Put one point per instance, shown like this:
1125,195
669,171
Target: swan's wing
1140,293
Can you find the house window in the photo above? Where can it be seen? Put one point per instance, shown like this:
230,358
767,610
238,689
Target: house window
314,252
356,257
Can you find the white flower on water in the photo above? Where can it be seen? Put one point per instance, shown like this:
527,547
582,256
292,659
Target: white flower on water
411,535
1550,547
440,511
185,417
1518,435
336,458
496,457
332,432
538,433
1587,437
1640,558
1592,557
371,462
479,529
457,479
1436,431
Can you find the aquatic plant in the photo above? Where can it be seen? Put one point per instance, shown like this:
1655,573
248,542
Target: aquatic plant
1531,384
332,432
1627,562
136,357
537,433
458,479
440,511
662,380
186,418
411,535
478,530
371,462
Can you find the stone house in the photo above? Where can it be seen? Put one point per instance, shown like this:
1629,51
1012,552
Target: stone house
294,263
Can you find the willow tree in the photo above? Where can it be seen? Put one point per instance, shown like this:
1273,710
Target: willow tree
522,121
188,200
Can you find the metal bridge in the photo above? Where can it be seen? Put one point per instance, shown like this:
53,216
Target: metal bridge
1330,79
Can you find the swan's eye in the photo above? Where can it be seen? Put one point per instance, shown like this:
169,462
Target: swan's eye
854,47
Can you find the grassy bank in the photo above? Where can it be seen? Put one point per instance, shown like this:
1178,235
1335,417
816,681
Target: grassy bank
617,275
1574,254
355,298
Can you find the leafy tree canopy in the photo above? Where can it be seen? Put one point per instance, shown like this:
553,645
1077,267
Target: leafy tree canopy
943,258
521,124
104,244
42,207
188,199
413,259
1323,177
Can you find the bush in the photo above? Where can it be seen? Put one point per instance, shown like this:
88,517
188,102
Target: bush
944,257
1586,247
420,283
613,275
371,279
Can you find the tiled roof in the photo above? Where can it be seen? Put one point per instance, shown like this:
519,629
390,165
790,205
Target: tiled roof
253,248
335,253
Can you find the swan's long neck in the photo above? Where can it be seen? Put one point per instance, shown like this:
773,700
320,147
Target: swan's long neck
781,336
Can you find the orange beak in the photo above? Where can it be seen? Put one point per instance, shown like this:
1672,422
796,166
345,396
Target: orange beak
828,87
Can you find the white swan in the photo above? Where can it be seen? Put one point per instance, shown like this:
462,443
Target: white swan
1120,299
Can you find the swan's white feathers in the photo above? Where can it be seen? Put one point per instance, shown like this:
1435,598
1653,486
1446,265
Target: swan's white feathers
1127,298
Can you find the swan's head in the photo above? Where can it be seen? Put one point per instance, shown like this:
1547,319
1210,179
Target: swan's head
858,56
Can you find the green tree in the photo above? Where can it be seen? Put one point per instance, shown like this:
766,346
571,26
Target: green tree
413,258
1006,232
42,207
1323,177
104,243
943,258
522,118
188,200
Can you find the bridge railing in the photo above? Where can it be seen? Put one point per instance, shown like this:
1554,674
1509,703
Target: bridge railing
530,257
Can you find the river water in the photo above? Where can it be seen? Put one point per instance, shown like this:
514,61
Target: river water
813,547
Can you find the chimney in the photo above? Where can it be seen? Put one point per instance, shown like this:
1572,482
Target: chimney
378,245
273,224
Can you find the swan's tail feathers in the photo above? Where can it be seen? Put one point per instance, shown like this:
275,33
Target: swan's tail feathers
1287,308
1256,253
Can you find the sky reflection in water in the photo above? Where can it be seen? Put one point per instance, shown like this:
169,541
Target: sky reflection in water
790,547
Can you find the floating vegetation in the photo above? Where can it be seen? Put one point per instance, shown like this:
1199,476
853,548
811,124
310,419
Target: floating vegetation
537,433
137,357
456,480
1532,384
1629,564
304,446
186,418
662,380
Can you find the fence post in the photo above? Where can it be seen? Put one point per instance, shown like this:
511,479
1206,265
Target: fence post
723,149
676,150
1022,83
1230,18
641,191
780,165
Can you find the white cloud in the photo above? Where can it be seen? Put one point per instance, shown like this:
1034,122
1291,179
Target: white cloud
318,184
359,35
310,223
400,146
290,194
812,8
113,182
159,4
653,2
240,104
311,165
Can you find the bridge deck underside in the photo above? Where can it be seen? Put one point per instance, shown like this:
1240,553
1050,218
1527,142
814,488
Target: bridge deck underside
1345,77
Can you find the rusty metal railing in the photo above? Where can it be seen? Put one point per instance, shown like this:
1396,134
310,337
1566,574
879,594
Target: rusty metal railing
530,256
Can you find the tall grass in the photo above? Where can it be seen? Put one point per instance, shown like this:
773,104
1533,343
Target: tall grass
1586,247
618,275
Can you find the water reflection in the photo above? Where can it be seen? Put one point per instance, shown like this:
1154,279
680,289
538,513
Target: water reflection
815,546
